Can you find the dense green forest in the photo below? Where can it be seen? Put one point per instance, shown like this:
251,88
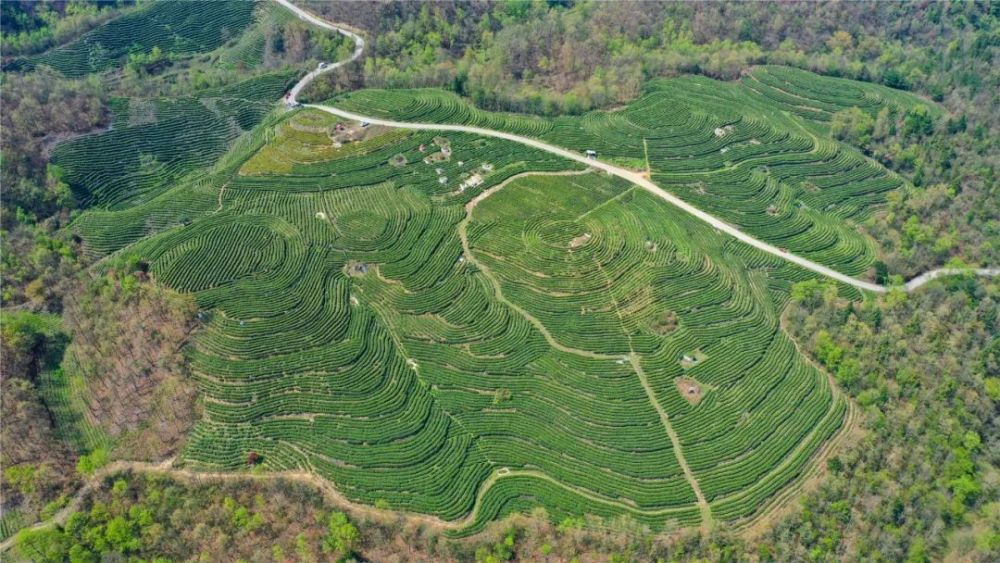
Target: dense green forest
917,480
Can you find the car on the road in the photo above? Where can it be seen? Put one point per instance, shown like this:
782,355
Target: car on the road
322,65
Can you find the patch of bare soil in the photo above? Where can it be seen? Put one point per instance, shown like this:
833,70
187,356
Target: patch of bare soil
341,133
355,269
690,389
579,241
665,323
692,359
437,157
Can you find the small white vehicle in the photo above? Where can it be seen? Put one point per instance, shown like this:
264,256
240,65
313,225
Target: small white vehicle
365,124
322,65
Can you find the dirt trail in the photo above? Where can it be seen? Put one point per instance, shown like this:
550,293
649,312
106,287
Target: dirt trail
706,511
497,289
193,476
637,178
707,521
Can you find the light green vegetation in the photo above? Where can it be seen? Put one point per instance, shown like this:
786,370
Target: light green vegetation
313,138
169,27
219,89
466,358
10,523
755,153
164,140
64,396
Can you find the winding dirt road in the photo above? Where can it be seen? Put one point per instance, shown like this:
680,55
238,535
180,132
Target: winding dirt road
191,476
359,48
934,274
633,177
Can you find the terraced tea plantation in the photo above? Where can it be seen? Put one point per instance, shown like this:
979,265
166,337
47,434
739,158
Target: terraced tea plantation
154,143
755,154
465,327
174,26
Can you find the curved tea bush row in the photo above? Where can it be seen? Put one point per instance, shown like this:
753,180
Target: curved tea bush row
292,369
132,164
746,502
347,330
175,26
728,148
605,294
818,97
121,165
106,231
523,493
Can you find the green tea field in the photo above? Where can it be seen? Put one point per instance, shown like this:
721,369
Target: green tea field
465,327
302,280
755,154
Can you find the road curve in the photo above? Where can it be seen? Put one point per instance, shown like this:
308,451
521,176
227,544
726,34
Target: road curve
359,48
934,274
623,173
